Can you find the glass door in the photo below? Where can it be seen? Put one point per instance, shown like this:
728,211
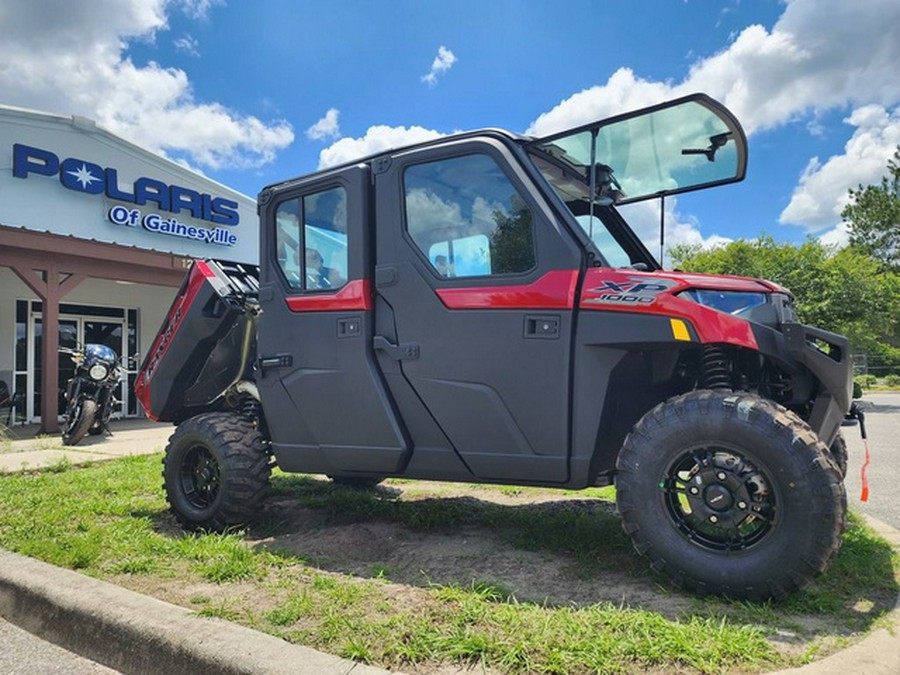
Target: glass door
74,331
110,333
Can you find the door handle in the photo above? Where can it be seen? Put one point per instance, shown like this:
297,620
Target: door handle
542,327
405,351
278,361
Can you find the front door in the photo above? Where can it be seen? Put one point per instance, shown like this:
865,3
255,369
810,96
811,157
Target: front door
475,287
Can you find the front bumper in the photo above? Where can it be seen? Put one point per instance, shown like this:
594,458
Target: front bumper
827,356
819,363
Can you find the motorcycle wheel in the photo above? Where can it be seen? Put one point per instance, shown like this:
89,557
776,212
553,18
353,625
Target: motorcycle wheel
79,417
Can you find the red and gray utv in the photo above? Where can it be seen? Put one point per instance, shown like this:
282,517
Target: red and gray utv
475,308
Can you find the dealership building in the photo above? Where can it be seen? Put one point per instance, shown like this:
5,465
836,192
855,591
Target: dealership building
95,237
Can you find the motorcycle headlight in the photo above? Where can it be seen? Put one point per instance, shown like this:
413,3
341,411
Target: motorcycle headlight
98,371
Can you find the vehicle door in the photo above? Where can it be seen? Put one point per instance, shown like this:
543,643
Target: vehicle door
475,287
325,403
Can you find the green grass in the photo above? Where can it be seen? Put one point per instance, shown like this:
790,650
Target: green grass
111,519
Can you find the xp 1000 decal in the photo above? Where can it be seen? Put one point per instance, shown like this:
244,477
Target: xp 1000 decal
625,290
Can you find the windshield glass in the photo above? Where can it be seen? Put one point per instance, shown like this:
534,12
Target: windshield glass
664,150
683,145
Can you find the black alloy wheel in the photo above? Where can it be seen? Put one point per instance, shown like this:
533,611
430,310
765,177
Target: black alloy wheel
718,499
216,471
730,494
200,477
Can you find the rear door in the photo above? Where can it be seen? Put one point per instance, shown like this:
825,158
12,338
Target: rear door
475,284
327,408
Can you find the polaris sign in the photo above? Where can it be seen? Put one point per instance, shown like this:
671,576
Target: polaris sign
89,178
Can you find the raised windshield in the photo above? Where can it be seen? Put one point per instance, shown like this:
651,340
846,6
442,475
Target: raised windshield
688,144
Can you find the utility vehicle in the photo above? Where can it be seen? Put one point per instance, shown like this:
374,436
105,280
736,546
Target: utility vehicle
475,308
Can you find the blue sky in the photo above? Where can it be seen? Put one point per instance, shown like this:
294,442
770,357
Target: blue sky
253,92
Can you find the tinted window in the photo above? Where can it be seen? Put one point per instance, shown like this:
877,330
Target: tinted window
467,218
314,256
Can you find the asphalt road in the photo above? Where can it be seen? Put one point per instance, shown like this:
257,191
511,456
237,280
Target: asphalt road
21,653
882,412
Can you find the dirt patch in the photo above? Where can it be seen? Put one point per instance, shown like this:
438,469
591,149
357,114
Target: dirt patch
464,557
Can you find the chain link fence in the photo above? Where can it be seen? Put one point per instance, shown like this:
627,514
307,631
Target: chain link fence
873,364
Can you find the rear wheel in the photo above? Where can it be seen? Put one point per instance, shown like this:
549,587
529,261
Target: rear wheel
730,494
215,471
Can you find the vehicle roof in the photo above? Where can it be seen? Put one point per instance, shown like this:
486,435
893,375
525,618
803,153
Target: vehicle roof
440,140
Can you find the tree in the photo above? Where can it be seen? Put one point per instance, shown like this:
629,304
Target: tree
512,241
846,291
873,217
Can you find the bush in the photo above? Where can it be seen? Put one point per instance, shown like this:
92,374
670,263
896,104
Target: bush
865,381
892,380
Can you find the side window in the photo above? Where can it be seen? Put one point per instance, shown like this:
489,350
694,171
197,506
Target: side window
311,239
467,218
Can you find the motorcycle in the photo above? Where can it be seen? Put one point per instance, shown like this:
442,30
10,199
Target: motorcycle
91,393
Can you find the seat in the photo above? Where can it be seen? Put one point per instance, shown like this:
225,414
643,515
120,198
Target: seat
9,402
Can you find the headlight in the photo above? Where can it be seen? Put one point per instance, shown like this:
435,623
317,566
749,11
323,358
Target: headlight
98,371
730,302
768,309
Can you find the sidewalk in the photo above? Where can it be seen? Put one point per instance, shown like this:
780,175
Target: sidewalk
27,450
138,634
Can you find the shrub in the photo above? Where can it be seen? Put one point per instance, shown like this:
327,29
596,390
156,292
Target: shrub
865,381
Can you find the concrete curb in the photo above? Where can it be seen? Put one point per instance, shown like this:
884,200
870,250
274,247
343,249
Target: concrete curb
879,652
137,634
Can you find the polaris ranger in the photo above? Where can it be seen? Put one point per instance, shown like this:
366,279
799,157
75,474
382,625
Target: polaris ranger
475,308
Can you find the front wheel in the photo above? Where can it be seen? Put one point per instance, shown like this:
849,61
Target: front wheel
730,494
839,455
215,471
79,417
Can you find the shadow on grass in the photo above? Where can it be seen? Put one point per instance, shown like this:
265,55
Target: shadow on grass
570,551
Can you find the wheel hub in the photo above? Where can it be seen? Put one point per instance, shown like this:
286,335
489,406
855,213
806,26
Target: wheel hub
718,499
200,477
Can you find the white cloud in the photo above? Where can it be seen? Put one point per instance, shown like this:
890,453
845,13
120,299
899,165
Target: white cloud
837,237
327,127
643,217
821,194
69,58
623,91
820,55
197,9
428,211
187,44
442,63
377,139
